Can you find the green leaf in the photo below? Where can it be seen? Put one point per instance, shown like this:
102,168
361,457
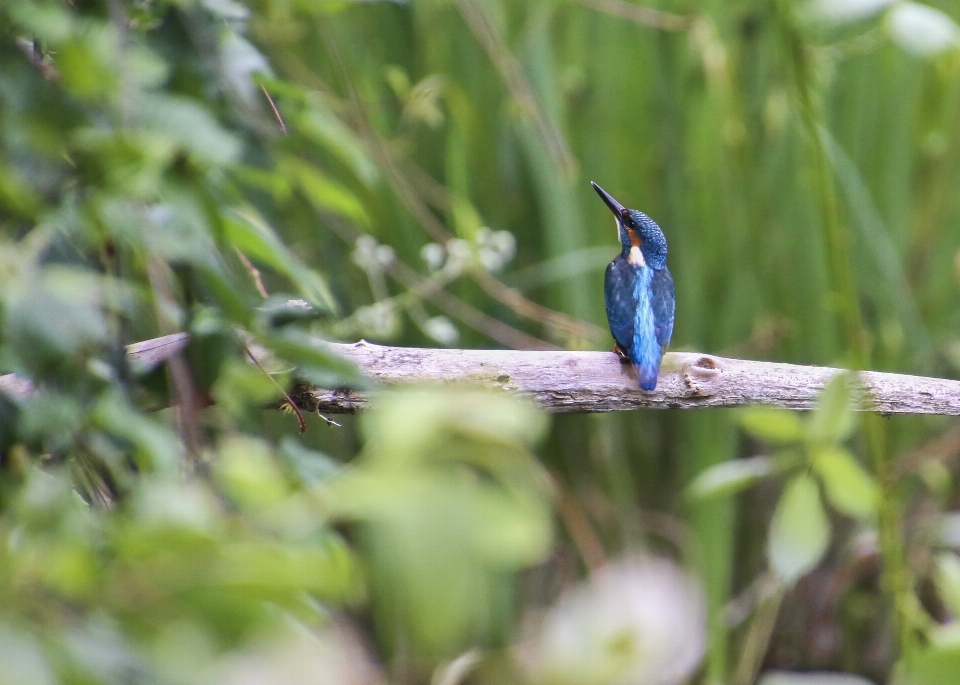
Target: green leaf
319,124
938,664
311,467
314,360
818,678
800,531
248,232
325,193
850,489
946,576
191,127
774,425
833,420
730,477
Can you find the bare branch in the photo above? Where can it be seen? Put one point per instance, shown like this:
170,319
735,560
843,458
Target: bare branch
599,382
590,381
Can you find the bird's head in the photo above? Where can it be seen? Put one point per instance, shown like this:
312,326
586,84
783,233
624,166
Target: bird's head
637,230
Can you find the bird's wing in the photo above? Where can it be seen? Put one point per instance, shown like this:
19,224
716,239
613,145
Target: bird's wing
663,305
621,309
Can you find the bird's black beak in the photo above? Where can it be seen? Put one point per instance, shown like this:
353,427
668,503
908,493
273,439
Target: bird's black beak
615,207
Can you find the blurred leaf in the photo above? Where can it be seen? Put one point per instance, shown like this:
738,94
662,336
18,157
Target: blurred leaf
44,21
800,531
246,470
52,320
833,420
922,30
278,311
318,123
730,477
243,389
51,419
87,61
314,361
451,503
241,60
411,422
156,446
191,127
310,466
935,665
249,233
323,192
774,425
815,678
850,489
946,576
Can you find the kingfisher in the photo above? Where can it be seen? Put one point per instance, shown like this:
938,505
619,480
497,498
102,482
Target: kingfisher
638,291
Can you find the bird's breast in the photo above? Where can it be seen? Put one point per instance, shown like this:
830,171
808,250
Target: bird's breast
636,257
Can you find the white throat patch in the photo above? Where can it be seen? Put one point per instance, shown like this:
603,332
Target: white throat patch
636,257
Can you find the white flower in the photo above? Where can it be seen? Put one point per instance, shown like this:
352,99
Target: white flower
332,656
459,255
923,30
434,255
441,329
639,622
496,248
384,255
379,320
841,11
365,252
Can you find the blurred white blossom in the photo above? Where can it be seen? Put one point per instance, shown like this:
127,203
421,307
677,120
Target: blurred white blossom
639,622
459,255
434,255
333,656
365,252
379,320
384,256
495,248
368,253
923,30
841,11
441,329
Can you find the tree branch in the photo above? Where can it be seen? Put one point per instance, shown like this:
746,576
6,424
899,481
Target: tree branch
600,382
591,381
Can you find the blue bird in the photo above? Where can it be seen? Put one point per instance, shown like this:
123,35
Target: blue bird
638,291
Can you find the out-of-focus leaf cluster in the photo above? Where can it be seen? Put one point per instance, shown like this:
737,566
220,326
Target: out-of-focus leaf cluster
811,452
144,179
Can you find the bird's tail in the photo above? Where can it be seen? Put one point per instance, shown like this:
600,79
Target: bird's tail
647,364
648,375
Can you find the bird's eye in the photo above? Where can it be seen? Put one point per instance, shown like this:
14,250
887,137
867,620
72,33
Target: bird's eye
625,215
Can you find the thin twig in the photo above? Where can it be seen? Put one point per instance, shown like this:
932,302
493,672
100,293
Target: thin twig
283,126
289,400
254,274
644,16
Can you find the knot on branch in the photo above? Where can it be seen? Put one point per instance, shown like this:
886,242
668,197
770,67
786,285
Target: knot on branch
701,377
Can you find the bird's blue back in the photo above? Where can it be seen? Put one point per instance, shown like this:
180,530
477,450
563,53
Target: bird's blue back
640,310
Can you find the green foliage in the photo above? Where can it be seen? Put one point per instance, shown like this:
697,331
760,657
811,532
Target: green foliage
800,531
372,165
451,504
